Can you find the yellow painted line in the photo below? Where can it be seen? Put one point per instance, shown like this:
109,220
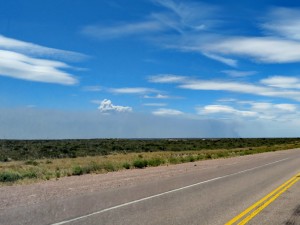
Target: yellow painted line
261,201
259,209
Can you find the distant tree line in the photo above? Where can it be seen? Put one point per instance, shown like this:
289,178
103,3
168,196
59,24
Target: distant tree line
39,149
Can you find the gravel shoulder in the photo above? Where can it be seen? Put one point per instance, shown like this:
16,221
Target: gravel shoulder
66,187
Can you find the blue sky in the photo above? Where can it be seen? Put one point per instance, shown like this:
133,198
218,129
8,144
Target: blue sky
149,68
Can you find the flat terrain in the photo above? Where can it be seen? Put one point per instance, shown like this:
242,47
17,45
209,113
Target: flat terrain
205,192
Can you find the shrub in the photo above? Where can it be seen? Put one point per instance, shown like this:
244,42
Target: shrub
140,163
8,176
57,174
173,160
93,167
77,170
109,167
126,165
31,162
155,162
191,158
30,174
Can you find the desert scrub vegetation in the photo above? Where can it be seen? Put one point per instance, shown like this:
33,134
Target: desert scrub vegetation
28,171
30,150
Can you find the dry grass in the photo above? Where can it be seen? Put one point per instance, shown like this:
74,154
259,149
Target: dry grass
20,172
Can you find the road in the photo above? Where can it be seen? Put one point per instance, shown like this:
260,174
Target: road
203,195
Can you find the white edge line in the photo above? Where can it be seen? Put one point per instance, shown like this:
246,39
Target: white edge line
164,193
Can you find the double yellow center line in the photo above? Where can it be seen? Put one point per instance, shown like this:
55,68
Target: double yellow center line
257,207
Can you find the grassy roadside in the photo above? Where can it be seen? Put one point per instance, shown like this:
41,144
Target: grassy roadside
21,172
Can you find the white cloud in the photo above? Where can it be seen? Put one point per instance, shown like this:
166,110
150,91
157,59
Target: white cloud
239,87
166,78
283,22
282,82
161,96
122,30
175,17
106,106
167,112
24,60
20,66
237,73
135,90
185,16
276,86
256,110
262,49
287,107
37,50
223,109
227,61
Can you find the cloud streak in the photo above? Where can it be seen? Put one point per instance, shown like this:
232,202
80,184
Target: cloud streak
123,30
28,61
167,112
252,110
275,86
132,90
38,50
23,67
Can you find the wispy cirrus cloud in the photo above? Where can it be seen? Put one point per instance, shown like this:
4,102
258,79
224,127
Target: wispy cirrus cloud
166,78
132,90
173,16
179,25
238,73
162,96
282,87
167,112
32,62
261,49
284,22
23,67
224,109
222,59
282,82
239,87
123,30
36,50
253,110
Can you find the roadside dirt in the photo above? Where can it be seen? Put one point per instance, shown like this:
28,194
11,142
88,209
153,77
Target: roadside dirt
22,195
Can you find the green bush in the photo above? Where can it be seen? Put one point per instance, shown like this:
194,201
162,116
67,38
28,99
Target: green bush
191,158
126,165
109,167
174,160
77,170
8,176
93,167
140,163
155,162
30,174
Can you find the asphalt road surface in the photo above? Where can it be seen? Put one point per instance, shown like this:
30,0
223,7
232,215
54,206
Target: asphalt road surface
214,195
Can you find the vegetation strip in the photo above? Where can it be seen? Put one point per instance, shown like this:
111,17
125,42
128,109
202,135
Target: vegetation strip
257,207
18,167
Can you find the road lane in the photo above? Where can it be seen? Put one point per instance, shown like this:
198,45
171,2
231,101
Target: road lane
214,202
